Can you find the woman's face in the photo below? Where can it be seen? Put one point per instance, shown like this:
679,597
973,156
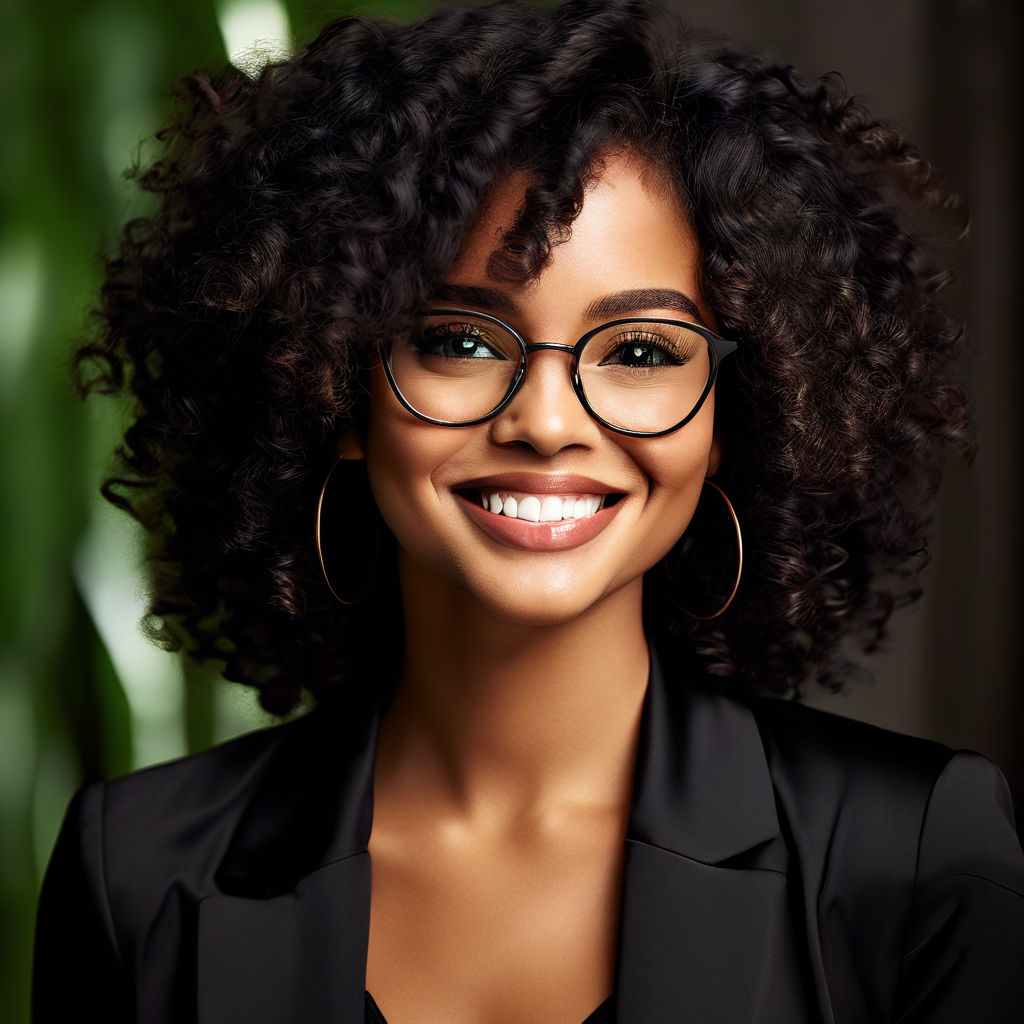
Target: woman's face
429,481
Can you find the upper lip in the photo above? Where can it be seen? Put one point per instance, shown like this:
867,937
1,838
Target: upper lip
539,483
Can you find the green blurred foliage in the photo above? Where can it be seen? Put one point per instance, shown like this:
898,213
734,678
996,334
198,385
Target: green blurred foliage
82,696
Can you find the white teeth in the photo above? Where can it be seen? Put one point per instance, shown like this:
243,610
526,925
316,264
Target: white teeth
529,509
548,508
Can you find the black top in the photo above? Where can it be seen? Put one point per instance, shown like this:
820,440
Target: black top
604,1014
781,864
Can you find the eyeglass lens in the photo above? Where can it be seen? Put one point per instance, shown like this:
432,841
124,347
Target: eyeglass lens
638,376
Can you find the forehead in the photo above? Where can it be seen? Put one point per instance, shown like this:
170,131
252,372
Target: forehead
631,234
622,187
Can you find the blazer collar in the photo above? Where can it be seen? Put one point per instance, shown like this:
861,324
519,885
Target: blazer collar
314,805
703,885
702,787
706,930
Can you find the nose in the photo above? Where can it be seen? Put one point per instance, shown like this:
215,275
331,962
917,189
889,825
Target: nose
545,412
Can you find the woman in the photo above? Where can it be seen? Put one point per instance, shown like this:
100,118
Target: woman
439,337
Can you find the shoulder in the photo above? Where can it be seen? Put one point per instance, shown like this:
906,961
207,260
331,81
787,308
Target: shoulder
211,786
848,789
134,856
166,827
890,791
908,854
831,755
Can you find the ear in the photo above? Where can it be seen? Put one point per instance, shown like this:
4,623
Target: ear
715,455
349,445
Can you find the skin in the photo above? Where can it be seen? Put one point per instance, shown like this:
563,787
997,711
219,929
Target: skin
505,764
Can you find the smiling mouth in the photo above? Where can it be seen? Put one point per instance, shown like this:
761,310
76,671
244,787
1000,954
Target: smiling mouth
542,508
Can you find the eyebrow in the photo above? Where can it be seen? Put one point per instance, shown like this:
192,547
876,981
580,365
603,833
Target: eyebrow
471,295
618,304
640,299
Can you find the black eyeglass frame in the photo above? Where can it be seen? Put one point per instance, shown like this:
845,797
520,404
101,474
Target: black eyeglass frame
718,348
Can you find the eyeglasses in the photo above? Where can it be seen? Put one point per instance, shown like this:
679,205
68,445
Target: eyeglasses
641,376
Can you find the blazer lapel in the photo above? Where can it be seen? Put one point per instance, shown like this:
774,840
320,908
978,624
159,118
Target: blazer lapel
285,939
295,957
705,916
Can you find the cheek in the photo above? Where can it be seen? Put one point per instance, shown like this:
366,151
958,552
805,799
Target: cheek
402,455
676,467
390,460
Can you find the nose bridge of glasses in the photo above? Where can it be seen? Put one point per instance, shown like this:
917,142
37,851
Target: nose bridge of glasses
536,374
544,346
551,346
549,385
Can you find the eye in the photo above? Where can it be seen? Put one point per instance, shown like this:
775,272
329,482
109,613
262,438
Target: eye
456,339
645,350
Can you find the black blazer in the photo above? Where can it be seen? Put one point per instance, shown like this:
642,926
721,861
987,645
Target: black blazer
782,865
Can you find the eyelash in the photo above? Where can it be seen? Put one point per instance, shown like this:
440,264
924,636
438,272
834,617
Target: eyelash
649,341
431,339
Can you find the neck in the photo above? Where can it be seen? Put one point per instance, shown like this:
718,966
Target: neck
501,716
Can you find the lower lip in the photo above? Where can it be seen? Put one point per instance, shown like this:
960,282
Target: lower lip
518,533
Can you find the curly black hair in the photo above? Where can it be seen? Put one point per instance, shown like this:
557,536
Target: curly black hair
305,215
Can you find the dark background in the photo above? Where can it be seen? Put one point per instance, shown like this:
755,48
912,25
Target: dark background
82,695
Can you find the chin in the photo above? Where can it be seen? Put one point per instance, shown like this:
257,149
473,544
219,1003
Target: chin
525,603
557,615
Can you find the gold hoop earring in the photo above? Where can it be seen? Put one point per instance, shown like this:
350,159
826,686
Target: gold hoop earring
685,539
349,530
